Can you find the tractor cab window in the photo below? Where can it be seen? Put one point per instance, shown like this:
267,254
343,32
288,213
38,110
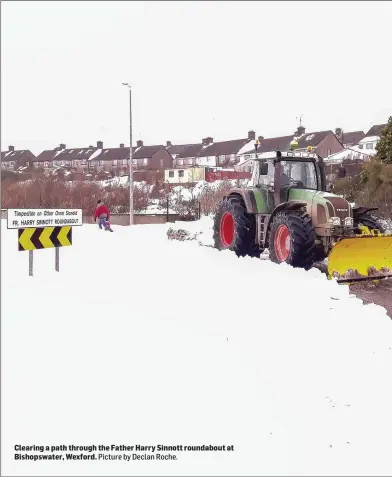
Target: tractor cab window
301,175
269,178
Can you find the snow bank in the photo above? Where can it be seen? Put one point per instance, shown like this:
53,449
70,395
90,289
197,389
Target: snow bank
165,342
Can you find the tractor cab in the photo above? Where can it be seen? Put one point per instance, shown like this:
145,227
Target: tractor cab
283,171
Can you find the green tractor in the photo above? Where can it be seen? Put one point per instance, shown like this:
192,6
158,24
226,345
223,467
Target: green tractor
287,210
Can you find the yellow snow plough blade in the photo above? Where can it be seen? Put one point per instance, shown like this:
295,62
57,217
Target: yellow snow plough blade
365,257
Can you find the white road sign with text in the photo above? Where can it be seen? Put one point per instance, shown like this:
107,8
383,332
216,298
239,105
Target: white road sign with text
27,218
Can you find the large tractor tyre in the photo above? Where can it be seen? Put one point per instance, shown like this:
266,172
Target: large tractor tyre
292,239
369,221
235,229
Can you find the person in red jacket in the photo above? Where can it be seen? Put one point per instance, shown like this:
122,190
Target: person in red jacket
102,214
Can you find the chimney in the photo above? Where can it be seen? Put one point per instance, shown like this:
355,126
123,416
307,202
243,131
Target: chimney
260,138
207,140
338,132
90,146
300,131
251,135
11,148
121,145
62,147
139,144
99,144
168,143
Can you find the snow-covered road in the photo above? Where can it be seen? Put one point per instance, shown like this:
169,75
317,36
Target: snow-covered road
141,340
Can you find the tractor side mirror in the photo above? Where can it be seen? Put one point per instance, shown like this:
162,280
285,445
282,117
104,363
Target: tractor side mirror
263,168
342,172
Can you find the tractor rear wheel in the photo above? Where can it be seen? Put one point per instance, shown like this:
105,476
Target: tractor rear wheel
292,239
235,229
370,221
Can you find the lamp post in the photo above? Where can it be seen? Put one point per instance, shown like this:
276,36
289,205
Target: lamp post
130,157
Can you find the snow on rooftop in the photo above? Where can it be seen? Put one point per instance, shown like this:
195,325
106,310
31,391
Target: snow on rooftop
298,380
353,152
370,139
95,154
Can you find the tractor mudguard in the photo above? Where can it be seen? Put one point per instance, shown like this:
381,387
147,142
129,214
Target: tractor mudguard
289,205
362,210
247,196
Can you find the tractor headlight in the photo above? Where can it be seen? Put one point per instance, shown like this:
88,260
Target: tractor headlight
334,220
348,221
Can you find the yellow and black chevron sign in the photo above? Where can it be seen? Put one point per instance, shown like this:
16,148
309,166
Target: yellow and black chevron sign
48,237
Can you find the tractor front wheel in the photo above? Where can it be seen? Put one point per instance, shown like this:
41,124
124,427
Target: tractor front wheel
368,222
292,239
235,229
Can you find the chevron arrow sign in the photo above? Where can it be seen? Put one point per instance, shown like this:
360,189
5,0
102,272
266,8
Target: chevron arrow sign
48,237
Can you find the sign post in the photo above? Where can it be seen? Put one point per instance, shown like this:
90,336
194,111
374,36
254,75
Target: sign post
57,259
44,228
31,258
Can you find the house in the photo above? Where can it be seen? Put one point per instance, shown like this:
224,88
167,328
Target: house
353,153
369,142
176,150
223,153
16,160
151,157
323,143
113,159
349,139
186,175
77,159
188,157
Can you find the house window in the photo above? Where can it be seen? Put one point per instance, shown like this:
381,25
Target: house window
161,162
134,162
171,174
145,162
83,162
46,164
360,146
329,152
369,145
27,164
12,164
180,162
180,174
114,162
190,161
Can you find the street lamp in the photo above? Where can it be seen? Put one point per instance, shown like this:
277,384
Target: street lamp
130,156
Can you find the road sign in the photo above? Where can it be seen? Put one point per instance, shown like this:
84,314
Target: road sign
48,237
33,218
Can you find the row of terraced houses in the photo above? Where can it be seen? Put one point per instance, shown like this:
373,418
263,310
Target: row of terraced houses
173,162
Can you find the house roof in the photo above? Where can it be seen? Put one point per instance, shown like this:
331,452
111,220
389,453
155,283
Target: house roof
178,149
113,154
275,143
224,148
376,130
81,153
352,137
146,152
312,139
192,150
7,156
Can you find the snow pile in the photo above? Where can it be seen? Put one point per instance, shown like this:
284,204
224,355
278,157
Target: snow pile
166,342
199,230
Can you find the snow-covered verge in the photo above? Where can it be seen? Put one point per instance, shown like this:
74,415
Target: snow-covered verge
142,340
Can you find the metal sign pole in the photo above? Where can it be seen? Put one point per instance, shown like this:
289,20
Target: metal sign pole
57,264
30,263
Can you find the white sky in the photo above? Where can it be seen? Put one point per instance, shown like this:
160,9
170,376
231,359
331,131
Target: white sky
197,68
